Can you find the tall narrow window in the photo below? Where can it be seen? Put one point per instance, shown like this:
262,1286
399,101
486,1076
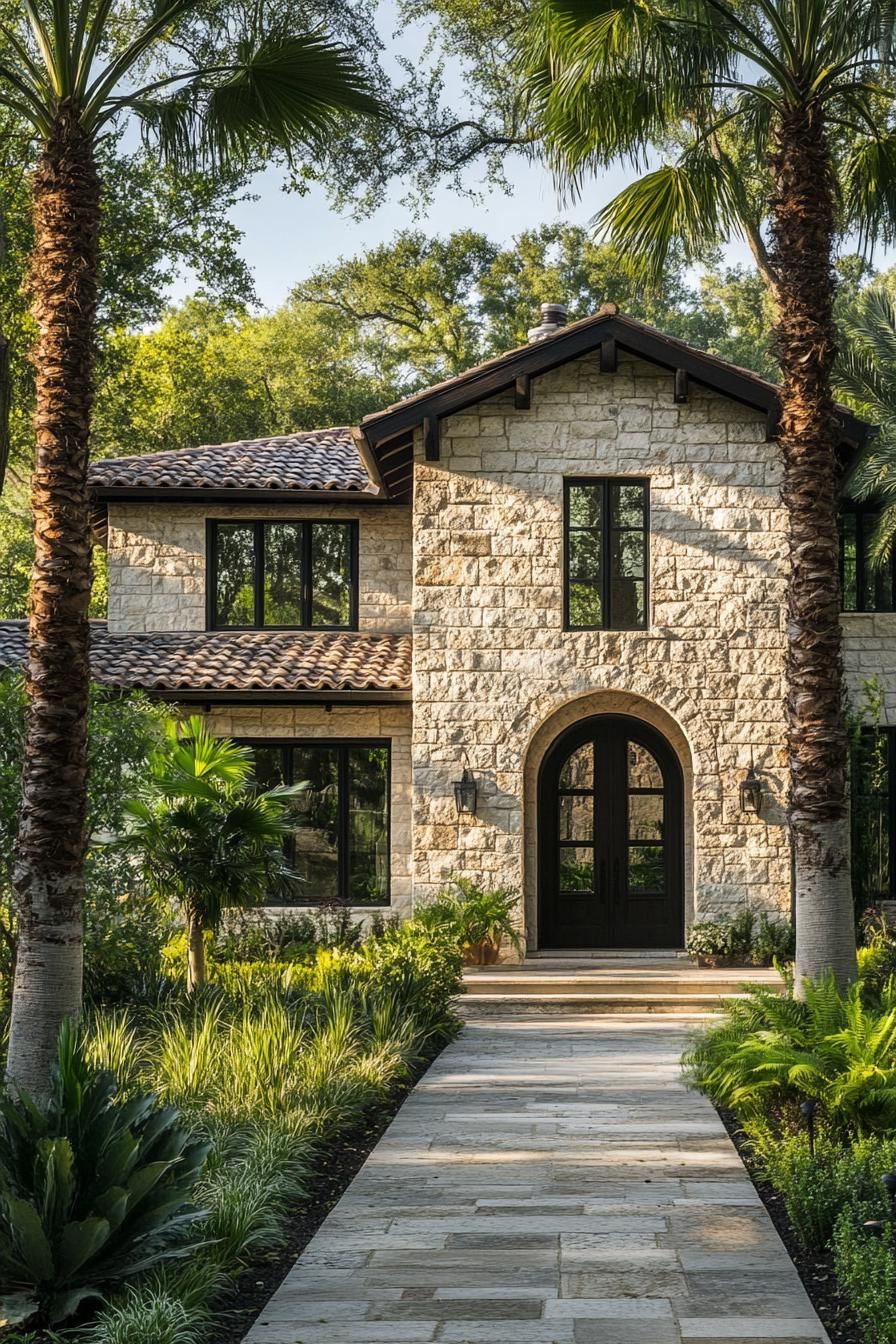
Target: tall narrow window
872,777
339,845
606,535
865,586
283,575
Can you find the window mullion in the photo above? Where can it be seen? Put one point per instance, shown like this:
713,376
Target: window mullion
259,574
342,777
307,598
606,552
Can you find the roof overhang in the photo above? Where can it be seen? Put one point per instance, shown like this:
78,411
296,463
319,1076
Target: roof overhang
212,697
390,433
184,495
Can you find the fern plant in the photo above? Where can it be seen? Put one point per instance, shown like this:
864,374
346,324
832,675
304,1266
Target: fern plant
773,1052
91,1192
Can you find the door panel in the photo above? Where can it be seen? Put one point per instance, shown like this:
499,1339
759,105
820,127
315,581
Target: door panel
610,838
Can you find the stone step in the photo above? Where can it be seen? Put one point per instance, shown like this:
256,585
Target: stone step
614,980
535,1005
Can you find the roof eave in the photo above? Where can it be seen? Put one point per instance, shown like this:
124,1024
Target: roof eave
582,338
222,495
211,696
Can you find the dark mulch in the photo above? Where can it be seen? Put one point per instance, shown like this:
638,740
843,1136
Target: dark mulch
816,1271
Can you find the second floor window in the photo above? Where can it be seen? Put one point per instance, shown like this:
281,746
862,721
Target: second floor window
606,532
866,587
300,575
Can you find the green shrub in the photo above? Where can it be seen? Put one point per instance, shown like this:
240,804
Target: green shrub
91,1192
710,938
774,940
743,940
772,1052
816,1188
473,915
866,1272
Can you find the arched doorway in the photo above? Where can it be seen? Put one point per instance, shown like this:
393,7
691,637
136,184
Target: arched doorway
610,838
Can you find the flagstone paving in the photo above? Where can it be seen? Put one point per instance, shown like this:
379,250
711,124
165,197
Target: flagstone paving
549,1181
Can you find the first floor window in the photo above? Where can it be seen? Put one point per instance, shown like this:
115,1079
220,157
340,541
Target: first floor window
872,800
339,845
606,553
865,586
300,575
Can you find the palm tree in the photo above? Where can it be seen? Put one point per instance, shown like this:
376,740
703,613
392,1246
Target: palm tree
769,90
865,376
204,836
71,71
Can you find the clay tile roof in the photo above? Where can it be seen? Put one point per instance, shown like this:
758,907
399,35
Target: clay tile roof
319,459
222,660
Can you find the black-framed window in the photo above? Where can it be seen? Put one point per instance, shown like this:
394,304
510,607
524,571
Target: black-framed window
341,820
283,575
606,540
873,815
864,588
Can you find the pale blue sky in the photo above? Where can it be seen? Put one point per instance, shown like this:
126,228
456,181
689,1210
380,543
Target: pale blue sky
286,236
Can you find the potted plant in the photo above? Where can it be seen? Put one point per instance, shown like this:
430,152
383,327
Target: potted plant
710,941
482,918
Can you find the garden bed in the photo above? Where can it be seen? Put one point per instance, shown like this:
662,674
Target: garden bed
816,1270
338,1165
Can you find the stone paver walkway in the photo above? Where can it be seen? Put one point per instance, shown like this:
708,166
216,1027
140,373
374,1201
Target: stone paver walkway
548,1182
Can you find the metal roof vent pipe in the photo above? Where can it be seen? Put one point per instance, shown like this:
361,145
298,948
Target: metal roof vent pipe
553,317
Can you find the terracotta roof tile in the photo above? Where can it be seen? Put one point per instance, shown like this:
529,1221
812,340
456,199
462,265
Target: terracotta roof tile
319,459
220,660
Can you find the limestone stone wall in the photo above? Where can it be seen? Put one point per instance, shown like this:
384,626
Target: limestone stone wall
390,723
496,674
869,656
157,572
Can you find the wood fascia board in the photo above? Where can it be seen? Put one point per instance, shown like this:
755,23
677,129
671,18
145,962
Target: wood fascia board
204,495
208,695
544,356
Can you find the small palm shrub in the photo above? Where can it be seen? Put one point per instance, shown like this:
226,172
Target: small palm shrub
91,1192
478,918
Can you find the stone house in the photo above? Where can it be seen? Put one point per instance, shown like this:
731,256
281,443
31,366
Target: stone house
527,625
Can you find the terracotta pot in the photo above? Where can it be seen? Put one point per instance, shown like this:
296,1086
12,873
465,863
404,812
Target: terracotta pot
485,953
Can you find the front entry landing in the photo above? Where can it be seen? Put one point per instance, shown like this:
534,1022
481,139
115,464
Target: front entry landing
611,838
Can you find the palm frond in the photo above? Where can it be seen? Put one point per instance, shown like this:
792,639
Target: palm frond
869,186
695,201
286,92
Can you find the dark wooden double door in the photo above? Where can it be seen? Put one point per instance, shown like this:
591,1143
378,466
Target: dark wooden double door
611,838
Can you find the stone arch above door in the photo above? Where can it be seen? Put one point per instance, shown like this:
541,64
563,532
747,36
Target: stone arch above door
558,723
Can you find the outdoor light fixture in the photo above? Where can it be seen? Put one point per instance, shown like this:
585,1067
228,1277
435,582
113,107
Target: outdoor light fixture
807,1111
751,791
465,791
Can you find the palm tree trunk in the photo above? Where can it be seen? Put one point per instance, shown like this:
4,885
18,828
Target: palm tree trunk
195,953
803,220
49,868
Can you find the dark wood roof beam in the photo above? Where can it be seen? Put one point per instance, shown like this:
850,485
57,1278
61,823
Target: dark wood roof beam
522,392
608,357
431,438
680,393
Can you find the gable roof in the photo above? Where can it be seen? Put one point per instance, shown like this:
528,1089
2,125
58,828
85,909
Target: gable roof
290,464
227,665
390,432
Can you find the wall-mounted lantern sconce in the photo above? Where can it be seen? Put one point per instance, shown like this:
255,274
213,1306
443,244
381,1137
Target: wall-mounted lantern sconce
751,791
465,791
